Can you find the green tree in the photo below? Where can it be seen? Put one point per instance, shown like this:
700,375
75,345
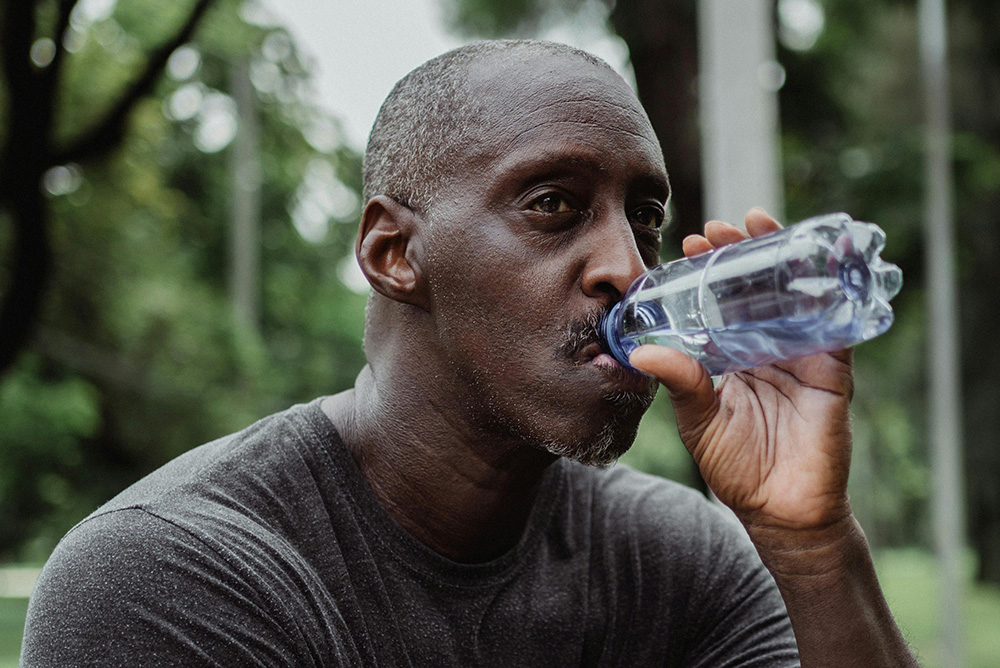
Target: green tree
137,355
33,58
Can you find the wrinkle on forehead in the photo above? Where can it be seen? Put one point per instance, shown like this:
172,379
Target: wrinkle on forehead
582,98
548,90
511,141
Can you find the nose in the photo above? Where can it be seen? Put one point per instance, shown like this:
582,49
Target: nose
612,264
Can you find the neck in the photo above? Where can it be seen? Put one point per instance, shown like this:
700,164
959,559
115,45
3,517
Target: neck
465,494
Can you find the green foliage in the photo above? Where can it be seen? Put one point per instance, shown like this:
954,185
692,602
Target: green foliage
658,448
139,355
47,416
852,115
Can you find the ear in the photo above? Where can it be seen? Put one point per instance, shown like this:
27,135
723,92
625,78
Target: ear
389,251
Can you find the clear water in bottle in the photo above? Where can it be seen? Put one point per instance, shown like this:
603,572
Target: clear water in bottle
817,286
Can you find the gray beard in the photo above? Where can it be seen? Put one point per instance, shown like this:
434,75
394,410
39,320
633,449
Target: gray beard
613,438
612,441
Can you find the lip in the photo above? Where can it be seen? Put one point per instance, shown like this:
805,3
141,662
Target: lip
607,361
623,377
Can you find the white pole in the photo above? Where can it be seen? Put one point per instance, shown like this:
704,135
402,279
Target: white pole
739,80
738,83
943,353
244,260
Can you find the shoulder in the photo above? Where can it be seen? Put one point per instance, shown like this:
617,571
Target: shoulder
261,450
191,557
124,586
127,554
127,588
232,502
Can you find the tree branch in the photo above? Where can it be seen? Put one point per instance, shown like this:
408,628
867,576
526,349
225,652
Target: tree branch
17,31
27,131
62,22
110,130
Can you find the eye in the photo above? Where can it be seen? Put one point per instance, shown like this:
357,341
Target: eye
649,215
551,203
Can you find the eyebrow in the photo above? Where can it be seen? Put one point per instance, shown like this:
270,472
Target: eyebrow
547,164
661,184
555,163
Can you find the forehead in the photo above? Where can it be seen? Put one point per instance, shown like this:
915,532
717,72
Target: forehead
555,103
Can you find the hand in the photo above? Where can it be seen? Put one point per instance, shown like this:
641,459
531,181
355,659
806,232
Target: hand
773,443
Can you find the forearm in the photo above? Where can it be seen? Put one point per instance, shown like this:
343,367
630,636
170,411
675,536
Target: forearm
833,597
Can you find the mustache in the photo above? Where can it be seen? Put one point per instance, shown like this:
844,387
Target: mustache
582,332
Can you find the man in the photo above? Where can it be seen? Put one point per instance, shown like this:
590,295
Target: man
440,512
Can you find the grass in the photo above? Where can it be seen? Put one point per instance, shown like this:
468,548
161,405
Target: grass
910,586
907,576
12,611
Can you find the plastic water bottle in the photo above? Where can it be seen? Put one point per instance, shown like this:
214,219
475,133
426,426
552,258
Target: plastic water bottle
817,286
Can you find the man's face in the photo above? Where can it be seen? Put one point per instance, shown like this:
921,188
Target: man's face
555,214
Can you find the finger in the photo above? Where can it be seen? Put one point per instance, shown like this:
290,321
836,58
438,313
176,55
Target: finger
695,244
721,234
758,222
678,372
686,381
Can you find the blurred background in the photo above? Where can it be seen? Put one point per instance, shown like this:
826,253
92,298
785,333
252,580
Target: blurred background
179,194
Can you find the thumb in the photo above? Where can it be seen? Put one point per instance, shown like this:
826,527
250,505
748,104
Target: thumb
688,384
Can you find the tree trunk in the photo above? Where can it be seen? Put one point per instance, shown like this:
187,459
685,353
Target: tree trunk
662,40
975,109
31,96
31,262
662,37
32,100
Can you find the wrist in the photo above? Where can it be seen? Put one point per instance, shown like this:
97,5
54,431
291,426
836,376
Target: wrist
816,552
828,582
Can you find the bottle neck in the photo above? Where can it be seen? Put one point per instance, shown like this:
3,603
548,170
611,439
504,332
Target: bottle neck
611,330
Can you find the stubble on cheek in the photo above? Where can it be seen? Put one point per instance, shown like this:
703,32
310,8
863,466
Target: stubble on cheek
515,363
516,400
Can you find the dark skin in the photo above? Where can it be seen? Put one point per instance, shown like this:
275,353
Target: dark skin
470,387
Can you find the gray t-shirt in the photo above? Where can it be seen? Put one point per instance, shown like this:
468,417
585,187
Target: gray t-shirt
268,548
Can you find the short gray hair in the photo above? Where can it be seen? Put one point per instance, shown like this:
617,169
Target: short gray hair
427,119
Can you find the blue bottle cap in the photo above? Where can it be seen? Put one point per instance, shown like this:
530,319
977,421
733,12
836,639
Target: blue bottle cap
609,328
